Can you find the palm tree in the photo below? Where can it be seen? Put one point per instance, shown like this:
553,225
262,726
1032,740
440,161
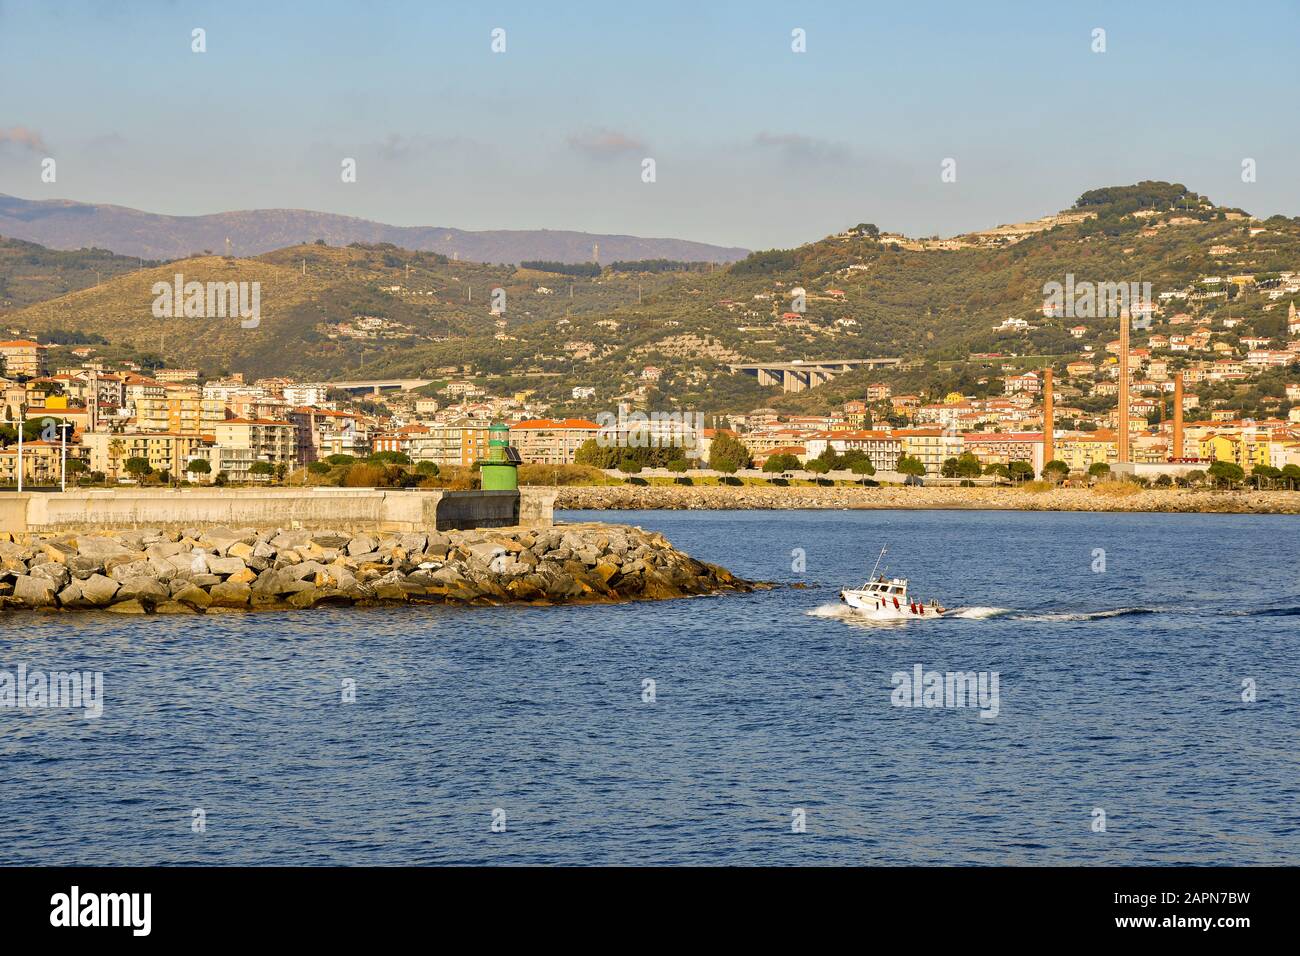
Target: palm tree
116,448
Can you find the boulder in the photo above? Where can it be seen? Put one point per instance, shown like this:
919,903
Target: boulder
361,544
191,596
146,590
98,590
99,547
172,607
131,569
230,594
225,566
55,572
34,591
128,607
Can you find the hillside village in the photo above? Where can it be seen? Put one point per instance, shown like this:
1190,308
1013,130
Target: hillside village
962,334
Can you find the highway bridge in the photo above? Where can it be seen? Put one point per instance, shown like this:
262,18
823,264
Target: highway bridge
803,374
376,385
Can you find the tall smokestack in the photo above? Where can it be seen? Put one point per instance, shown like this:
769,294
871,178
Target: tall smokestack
1177,450
1049,418
1123,455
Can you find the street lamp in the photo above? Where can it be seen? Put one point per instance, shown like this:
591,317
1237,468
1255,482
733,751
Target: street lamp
63,448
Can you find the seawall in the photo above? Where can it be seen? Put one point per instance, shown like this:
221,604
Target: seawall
378,509
717,497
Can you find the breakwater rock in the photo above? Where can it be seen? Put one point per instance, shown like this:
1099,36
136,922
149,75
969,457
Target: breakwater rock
1105,498
218,569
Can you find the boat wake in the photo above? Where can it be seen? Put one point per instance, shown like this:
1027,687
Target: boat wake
840,612
977,613
1264,612
844,612
1061,616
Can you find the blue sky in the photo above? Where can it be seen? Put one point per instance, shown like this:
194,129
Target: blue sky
754,145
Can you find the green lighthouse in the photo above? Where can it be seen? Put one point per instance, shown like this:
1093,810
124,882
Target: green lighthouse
500,470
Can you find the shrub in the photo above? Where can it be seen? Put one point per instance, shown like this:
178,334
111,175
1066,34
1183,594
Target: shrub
362,475
561,475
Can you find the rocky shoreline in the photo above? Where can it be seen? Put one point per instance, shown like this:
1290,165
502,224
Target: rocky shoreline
717,497
193,571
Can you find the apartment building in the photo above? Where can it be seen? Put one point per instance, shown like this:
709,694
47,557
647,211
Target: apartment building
1002,448
458,442
108,451
183,411
933,446
21,357
549,441
42,462
243,441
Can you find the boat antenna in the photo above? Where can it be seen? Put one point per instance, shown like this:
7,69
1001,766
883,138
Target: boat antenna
877,566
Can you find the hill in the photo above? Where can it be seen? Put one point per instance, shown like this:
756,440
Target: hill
31,273
63,224
666,337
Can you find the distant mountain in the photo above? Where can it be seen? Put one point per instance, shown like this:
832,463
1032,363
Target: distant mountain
63,224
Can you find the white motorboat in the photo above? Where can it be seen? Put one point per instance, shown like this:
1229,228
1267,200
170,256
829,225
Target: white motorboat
881,599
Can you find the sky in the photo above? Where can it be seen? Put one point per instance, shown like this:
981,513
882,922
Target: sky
753,144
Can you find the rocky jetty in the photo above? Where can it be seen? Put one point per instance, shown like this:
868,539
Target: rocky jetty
775,497
217,569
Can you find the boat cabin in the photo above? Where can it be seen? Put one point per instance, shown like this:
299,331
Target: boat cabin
896,587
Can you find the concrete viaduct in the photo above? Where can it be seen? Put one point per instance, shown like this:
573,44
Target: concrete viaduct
801,374
375,386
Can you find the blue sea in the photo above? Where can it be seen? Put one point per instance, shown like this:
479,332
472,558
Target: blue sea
1148,712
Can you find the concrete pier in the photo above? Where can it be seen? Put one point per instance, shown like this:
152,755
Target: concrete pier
382,509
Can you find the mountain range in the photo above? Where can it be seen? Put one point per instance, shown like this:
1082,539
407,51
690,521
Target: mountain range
670,334
64,224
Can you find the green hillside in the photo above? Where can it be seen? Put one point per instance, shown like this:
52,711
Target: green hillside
867,295
30,273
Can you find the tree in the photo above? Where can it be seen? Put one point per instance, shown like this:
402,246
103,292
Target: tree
949,468
199,466
1098,470
629,466
390,458
1291,473
907,465
261,469
678,465
862,467
856,456
426,468
1056,470
776,464
1226,474
818,466
728,454
1265,473
1020,470
116,449
319,468
968,466
138,467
